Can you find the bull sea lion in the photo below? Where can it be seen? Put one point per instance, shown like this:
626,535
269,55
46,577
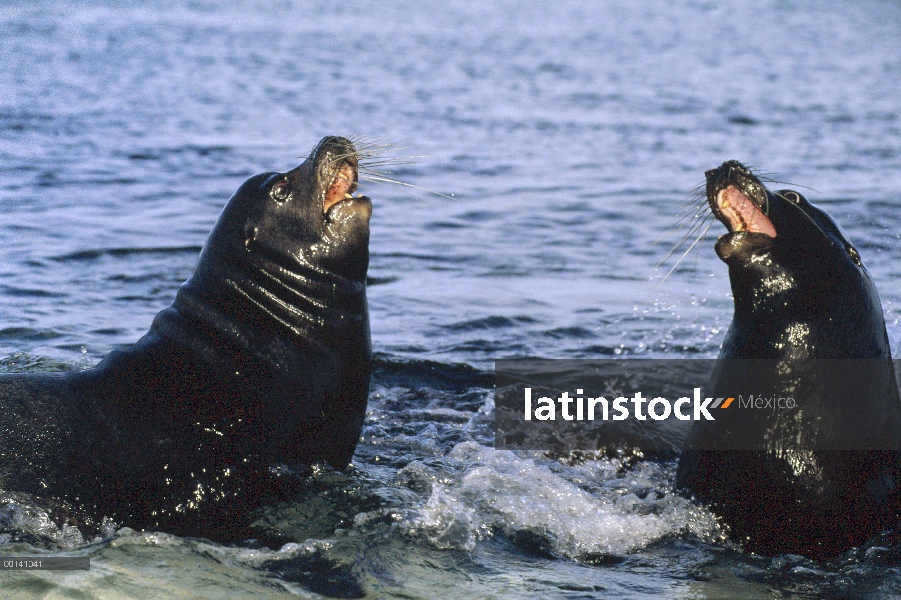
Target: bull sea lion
261,364
808,324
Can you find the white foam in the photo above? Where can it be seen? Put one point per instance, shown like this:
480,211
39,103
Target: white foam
30,520
579,510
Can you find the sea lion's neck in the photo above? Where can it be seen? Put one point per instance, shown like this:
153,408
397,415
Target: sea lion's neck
262,294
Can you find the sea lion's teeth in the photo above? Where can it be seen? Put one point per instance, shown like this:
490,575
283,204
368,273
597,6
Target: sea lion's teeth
725,204
343,176
346,195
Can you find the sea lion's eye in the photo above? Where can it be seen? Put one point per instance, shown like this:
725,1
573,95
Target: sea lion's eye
793,197
280,191
854,256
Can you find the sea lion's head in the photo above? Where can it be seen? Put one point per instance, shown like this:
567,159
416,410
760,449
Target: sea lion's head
291,249
794,274
308,213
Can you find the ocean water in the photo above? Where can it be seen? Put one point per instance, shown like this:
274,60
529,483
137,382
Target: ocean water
567,135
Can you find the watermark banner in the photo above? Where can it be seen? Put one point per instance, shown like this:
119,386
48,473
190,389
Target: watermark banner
657,406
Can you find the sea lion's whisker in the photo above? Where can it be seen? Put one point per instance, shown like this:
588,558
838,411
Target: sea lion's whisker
695,230
376,158
698,189
694,213
369,148
768,180
692,230
690,206
388,180
690,211
768,177
688,214
695,199
679,225
372,165
373,148
692,227
402,192
379,150
693,209
684,254
363,141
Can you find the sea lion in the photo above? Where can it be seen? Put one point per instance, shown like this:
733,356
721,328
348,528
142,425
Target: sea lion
261,364
821,476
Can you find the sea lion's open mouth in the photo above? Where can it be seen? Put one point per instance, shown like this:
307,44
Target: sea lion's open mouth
738,199
739,213
343,185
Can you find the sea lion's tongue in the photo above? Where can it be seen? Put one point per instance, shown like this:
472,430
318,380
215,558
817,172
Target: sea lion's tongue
740,213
